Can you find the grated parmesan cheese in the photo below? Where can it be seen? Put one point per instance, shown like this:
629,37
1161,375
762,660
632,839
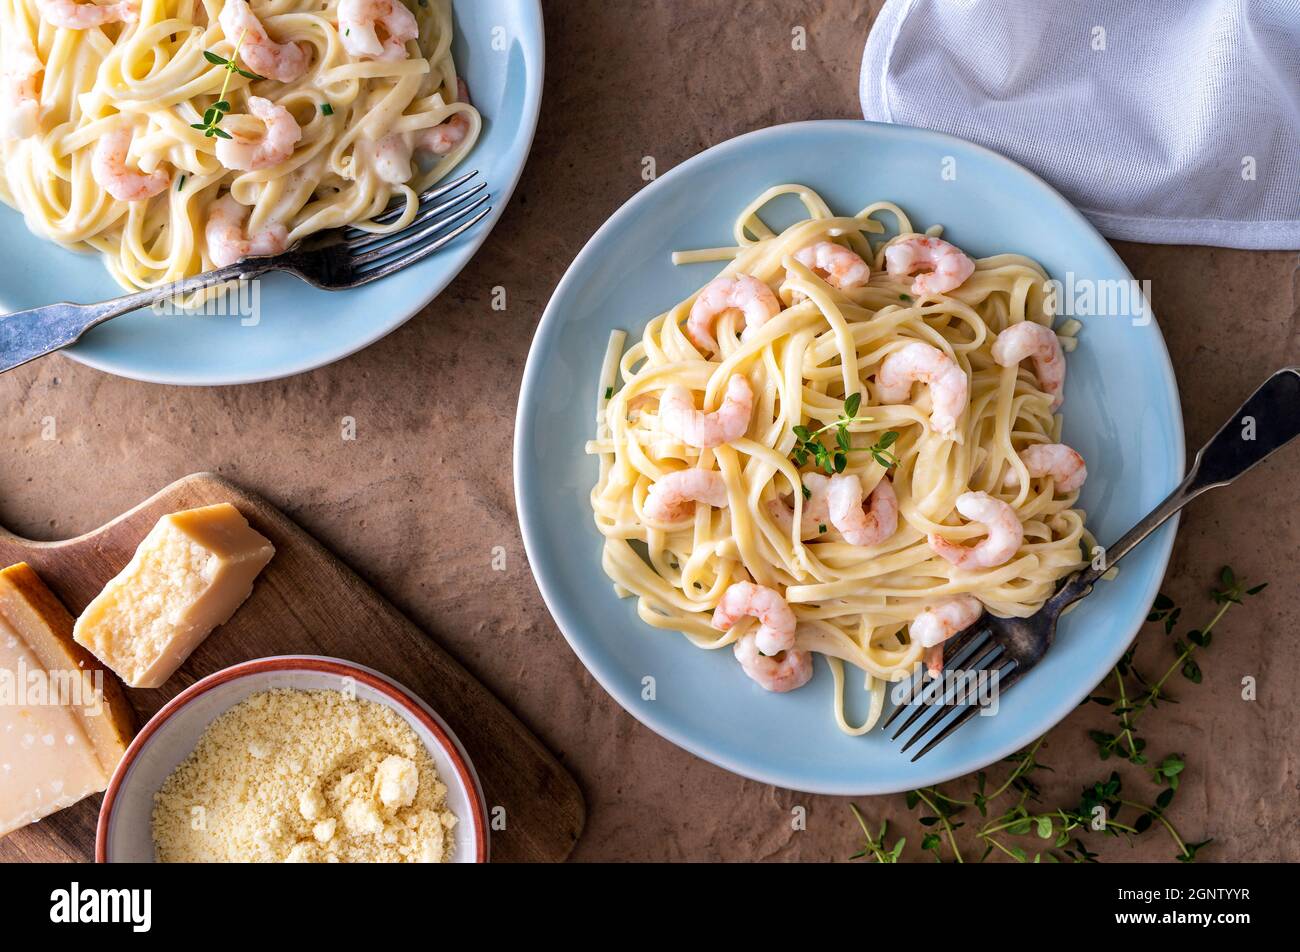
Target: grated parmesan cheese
306,777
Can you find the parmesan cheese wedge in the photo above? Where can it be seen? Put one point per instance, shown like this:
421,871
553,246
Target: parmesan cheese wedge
64,723
187,577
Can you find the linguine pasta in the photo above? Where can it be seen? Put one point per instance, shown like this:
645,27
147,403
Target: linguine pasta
155,75
853,604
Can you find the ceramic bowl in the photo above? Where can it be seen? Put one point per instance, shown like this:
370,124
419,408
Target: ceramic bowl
125,829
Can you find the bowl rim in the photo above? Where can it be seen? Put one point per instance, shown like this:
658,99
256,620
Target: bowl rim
400,695
1162,541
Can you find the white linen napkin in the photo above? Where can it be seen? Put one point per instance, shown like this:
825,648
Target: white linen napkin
1172,121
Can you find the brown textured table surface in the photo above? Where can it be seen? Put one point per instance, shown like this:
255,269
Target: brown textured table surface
418,502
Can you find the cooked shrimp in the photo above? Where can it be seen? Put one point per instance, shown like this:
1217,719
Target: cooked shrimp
71,15
392,157
816,513
677,415
357,22
859,526
108,169
784,671
840,267
444,137
741,292
393,152
948,266
921,362
277,142
1005,533
225,234
747,600
451,132
283,62
1063,464
670,498
939,622
20,108
1028,339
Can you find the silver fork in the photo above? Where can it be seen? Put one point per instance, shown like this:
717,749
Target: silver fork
1004,649
333,260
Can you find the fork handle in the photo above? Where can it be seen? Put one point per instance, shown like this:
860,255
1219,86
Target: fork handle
1267,421
26,335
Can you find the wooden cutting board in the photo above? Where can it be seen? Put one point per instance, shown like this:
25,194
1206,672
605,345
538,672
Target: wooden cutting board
308,602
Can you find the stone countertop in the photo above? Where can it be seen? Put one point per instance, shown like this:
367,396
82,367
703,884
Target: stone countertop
421,500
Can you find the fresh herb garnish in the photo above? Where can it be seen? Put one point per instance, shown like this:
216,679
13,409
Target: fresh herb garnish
880,449
213,115
181,183
875,845
1057,835
809,443
905,297
833,460
609,392
1135,694
326,109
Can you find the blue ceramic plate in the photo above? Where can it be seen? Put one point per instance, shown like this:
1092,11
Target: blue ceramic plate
1122,413
499,50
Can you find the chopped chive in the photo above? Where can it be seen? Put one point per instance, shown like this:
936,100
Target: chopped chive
609,392
821,527
326,109
181,184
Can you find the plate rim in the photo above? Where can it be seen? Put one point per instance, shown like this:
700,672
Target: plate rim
532,107
1163,539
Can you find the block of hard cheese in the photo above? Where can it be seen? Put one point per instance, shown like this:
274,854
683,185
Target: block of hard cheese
187,577
64,723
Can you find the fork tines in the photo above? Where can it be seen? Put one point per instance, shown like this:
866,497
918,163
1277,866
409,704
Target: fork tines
457,205
970,655
430,194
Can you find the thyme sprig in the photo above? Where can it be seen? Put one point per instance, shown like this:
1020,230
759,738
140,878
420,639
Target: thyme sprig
213,115
833,460
1135,694
875,846
1054,835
